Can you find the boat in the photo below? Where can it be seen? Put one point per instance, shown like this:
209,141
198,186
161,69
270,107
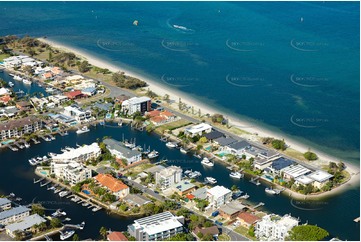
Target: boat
33,162
84,129
51,188
52,137
63,194
17,78
183,151
272,191
207,162
96,209
51,154
82,225
129,145
27,145
171,144
194,174
27,82
179,27
230,168
66,220
136,22
11,84
66,234
153,154
85,204
236,174
210,180
197,156
58,213
45,158
187,172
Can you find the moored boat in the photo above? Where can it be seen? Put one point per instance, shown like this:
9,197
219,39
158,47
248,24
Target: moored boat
67,234
207,162
210,180
183,151
236,174
153,154
272,191
171,144
84,129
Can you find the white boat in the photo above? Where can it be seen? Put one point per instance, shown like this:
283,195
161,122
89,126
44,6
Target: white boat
207,162
129,145
171,144
27,145
58,213
272,191
17,78
49,89
85,204
183,151
33,162
45,158
51,154
84,129
96,209
153,154
179,27
230,168
66,220
194,174
187,172
197,156
11,84
63,194
27,82
236,174
210,180
66,234
82,225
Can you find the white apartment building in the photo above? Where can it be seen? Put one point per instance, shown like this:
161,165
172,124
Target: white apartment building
275,228
77,113
13,215
5,204
73,172
80,154
168,177
136,104
19,127
218,196
198,129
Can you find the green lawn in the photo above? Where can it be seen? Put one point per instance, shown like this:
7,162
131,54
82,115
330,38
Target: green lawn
173,125
3,56
244,231
224,237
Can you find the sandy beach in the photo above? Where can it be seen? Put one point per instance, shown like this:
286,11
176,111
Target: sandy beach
246,126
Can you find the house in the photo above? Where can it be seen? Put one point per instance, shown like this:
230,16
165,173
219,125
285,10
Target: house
103,106
13,215
117,187
80,154
247,219
47,75
198,129
268,154
24,105
231,210
74,94
73,172
116,236
168,177
213,230
24,225
294,171
4,91
58,99
89,91
5,204
5,99
224,141
158,120
261,164
136,104
153,170
77,113
56,71
200,193
122,152
156,227
136,200
278,165
9,112
214,134
218,196
183,187
303,180
121,98
19,127
275,228
320,178
237,148
63,119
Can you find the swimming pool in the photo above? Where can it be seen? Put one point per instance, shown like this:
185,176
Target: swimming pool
222,153
86,192
7,141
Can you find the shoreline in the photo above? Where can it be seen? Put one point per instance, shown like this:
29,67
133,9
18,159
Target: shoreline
323,159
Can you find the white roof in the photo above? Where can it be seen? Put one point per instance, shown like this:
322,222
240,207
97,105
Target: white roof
27,223
304,180
320,176
74,77
137,100
296,170
218,191
4,91
162,226
74,153
198,128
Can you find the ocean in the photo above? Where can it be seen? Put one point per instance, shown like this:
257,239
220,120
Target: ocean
292,67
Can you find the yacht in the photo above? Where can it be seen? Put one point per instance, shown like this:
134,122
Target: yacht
171,144
153,154
66,220
66,234
33,162
210,180
207,162
194,174
197,156
17,78
179,27
27,82
187,172
27,145
129,145
236,174
95,209
82,225
84,129
58,213
183,151
272,191
63,194
11,84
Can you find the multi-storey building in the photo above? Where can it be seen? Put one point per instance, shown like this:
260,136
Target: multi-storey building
168,177
19,127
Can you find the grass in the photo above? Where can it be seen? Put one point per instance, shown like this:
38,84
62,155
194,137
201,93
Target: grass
140,168
3,56
295,154
244,231
224,237
172,125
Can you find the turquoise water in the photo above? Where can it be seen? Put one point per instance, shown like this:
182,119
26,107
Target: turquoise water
292,67
6,142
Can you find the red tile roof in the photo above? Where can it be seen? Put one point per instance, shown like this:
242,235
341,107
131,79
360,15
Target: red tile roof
167,113
117,236
110,182
5,99
73,94
190,196
153,113
248,218
157,119
48,75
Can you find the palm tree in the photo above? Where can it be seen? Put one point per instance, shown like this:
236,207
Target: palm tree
103,232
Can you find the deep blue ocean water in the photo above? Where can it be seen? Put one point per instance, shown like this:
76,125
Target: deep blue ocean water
290,66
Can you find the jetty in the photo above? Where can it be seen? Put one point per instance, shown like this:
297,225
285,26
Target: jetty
46,183
20,146
13,148
258,205
37,181
255,181
35,141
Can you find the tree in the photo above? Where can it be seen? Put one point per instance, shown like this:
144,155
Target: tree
203,140
234,188
279,144
310,155
55,223
124,81
251,231
76,237
37,208
200,235
217,118
103,232
207,237
84,67
307,233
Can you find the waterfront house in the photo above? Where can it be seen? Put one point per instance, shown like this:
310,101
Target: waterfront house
160,117
19,127
63,119
9,111
136,104
198,129
73,172
237,148
213,230
12,62
168,177
278,165
117,187
230,210
247,219
183,187
4,91
89,91
80,154
58,99
273,227
200,193
294,171
77,113
116,236
72,95
156,227
214,134
268,154
303,180
261,164
224,141
25,225
4,204
320,178
136,200
24,105
122,152
218,196
103,106
13,215
47,76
